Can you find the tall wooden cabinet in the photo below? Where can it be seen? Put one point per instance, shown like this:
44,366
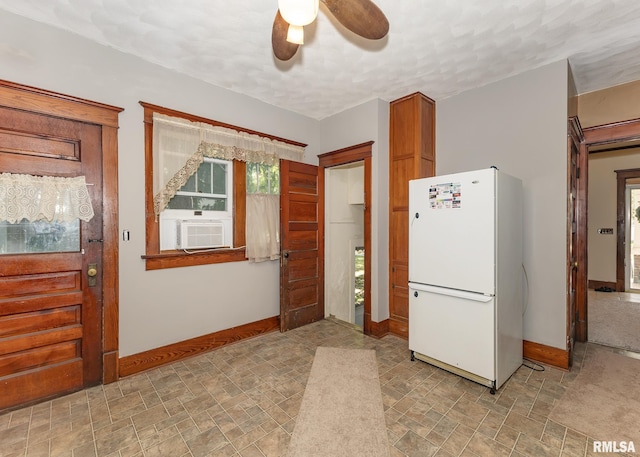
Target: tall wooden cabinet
411,155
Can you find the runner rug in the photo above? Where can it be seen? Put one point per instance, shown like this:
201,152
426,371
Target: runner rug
614,321
603,402
341,412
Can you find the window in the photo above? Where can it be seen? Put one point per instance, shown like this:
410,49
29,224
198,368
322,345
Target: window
201,178
209,189
39,236
263,212
204,205
42,213
263,179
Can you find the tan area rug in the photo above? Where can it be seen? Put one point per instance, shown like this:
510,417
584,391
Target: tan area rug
604,400
341,412
614,321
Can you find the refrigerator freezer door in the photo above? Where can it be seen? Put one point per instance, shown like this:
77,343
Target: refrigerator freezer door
452,231
454,329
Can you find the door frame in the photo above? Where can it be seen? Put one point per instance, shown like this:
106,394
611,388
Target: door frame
621,224
19,96
358,153
576,236
615,132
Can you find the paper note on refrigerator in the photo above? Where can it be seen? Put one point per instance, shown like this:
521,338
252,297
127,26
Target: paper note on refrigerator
445,195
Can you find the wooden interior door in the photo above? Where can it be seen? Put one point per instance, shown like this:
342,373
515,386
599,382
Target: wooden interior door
50,317
301,286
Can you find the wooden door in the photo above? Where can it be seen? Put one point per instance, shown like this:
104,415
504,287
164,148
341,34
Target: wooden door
50,318
301,286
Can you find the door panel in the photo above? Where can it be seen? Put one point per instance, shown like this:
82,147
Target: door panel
301,297
50,319
444,327
452,219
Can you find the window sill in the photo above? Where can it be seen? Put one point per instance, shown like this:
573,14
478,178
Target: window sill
175,259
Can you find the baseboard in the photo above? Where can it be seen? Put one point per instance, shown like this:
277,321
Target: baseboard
110,367
545,354
593,284
154,358
399,328
380,329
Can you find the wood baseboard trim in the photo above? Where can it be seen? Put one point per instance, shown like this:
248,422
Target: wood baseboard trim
380,329
593,284
110,367
153,358
399,328
545,354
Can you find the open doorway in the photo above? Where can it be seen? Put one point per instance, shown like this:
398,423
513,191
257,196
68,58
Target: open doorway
632,235
614,156
344,187
344,242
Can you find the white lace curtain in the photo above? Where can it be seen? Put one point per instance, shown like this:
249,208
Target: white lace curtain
263,227
48,198
180,146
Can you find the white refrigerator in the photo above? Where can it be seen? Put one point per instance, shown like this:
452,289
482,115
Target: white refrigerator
465,274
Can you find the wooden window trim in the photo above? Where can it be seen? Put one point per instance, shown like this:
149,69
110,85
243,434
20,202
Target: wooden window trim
154,258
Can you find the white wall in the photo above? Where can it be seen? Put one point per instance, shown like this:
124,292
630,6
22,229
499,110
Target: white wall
602,198
153,310
369,122
519,124
156,307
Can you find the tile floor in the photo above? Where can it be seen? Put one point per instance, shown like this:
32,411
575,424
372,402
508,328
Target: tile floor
242,400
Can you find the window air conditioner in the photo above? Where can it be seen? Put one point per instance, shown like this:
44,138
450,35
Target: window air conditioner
199,234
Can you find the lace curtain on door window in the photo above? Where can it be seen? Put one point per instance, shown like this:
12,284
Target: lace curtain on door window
48,198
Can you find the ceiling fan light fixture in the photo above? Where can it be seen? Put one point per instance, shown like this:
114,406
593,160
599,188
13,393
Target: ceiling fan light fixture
299,12
295,34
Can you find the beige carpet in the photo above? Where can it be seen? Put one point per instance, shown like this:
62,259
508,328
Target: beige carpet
604,400
614,321
341,412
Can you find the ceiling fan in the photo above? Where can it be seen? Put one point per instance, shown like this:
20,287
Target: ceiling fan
362,17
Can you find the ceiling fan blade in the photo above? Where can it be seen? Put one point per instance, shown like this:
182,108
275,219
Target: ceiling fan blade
362,17
282,49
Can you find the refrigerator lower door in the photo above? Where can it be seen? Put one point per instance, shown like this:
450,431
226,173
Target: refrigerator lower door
455,328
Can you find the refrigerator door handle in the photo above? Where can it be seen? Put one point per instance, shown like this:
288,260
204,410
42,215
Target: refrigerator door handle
451,292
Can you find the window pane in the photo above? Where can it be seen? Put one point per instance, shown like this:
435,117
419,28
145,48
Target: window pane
197,203
263,179
204,178
275,179
190,185
39,236
252,178
219,176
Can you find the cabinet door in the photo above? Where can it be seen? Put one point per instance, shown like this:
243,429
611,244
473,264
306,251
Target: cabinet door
411,155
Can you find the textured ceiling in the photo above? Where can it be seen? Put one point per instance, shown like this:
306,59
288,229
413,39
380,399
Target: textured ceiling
438,47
